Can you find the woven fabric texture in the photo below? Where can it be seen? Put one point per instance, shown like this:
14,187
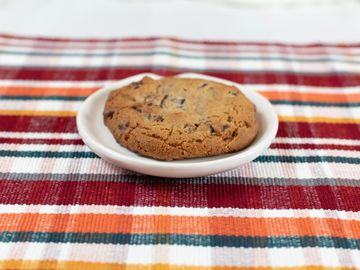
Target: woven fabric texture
62,207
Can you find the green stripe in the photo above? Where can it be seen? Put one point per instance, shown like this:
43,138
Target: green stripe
8,97
307,159
275,102
47,154
187,56
182,239
319,104
262,159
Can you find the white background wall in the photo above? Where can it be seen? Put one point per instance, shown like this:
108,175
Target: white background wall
298,21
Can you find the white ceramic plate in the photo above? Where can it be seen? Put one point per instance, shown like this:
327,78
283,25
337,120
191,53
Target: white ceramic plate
95,134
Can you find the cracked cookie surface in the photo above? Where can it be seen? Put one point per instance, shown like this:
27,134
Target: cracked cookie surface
177,118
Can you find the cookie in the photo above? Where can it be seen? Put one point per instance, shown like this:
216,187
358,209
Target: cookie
177,118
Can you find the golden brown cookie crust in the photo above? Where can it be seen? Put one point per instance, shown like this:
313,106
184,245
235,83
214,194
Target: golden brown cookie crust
177,118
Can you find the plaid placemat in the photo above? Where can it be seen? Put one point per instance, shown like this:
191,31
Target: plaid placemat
295,206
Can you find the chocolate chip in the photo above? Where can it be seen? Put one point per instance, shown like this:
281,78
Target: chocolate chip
155,118
138,109
178,102
234,134
212,130
203,85
225,127
159,118
230,118
163,101
136,85
123,126
109,114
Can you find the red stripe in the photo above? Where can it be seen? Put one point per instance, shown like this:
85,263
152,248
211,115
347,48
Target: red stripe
319,130
74,40
41,141
315,146
37,124
156,192
96,74
286,129
205,42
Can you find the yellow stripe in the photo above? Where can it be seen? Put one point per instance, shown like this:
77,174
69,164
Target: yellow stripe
281,118
37,113
75,265
318,119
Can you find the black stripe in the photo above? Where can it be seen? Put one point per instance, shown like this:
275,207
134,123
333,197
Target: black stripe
136,178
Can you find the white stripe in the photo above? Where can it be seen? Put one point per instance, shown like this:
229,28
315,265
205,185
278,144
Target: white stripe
41,105
45,147
295,171
104,45
270,152
58,165
291,140
181,52
38,135
57,84
312,152
315,141
317,111
303,89
257,87
174,62
179,255
253,169
178,211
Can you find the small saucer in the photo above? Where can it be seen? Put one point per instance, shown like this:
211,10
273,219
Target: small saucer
96,135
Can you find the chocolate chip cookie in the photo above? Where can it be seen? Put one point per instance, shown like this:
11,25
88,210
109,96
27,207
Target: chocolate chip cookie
177,118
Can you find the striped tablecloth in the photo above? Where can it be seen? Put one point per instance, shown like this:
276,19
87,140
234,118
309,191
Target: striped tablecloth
296,205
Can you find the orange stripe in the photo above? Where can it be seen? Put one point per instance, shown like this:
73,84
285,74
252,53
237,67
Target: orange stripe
285,118
282,118
47,91
237,226
296,96
38,113
78,265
